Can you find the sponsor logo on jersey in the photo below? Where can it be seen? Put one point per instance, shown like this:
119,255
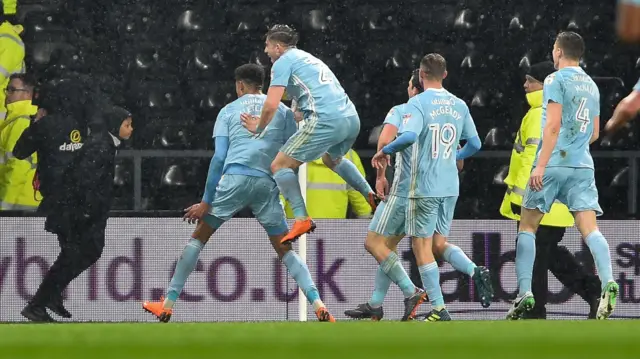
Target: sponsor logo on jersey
70,147
75,137
74,145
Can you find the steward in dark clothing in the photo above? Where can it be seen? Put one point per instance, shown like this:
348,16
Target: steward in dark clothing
84,200
57,138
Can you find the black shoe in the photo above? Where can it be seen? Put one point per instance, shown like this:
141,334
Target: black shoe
441,315
482,281
57,307
593,308
412,303
36,314
365,311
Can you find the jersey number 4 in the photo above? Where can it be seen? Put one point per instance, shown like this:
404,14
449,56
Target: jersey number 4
442,139
324,74
582,115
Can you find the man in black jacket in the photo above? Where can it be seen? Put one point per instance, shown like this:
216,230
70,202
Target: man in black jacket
57,135
82,200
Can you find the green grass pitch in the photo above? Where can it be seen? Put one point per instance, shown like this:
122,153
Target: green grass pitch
465,340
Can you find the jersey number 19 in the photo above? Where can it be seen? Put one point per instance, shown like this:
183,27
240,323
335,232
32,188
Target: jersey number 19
442,139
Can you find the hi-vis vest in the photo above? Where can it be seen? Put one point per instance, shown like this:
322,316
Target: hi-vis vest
11,58
16,188
9,7
328,195
521,165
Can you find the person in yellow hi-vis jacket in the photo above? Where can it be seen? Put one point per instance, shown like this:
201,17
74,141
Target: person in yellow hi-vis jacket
11,57
328,195
549,256
9,7
16,189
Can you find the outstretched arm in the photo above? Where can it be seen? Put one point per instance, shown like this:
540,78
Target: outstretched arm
215,168
626,110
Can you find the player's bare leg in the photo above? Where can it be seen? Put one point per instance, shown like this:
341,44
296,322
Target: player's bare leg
430,274
283,168
373,308
453,255
350,174
163,309
525,257
300,273
390,264
586,223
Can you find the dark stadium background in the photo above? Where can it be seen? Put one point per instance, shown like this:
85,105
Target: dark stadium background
171,64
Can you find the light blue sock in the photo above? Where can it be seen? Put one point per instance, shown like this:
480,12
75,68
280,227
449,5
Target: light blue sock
380,289
602,257
300,273
456,257
395,271
186,264
350,174
525,256
287,182
431,280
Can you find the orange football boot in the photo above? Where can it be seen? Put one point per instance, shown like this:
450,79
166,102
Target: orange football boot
157,308
324,316
300,227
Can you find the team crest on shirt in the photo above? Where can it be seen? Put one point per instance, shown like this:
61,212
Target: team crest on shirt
406,118
549,79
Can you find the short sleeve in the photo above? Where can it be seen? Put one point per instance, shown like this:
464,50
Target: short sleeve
394,116
637,86
221,127
280,72
412,118
553,89
468,127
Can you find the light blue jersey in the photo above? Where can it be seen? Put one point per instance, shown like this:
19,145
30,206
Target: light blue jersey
394,116
245,162
428,168
401,180
637,86
580,99
312,86
243,148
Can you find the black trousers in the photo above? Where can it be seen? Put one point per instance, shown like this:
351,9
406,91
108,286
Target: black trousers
564,266
81,243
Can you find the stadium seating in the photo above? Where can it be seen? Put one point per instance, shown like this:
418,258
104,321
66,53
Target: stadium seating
171,63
